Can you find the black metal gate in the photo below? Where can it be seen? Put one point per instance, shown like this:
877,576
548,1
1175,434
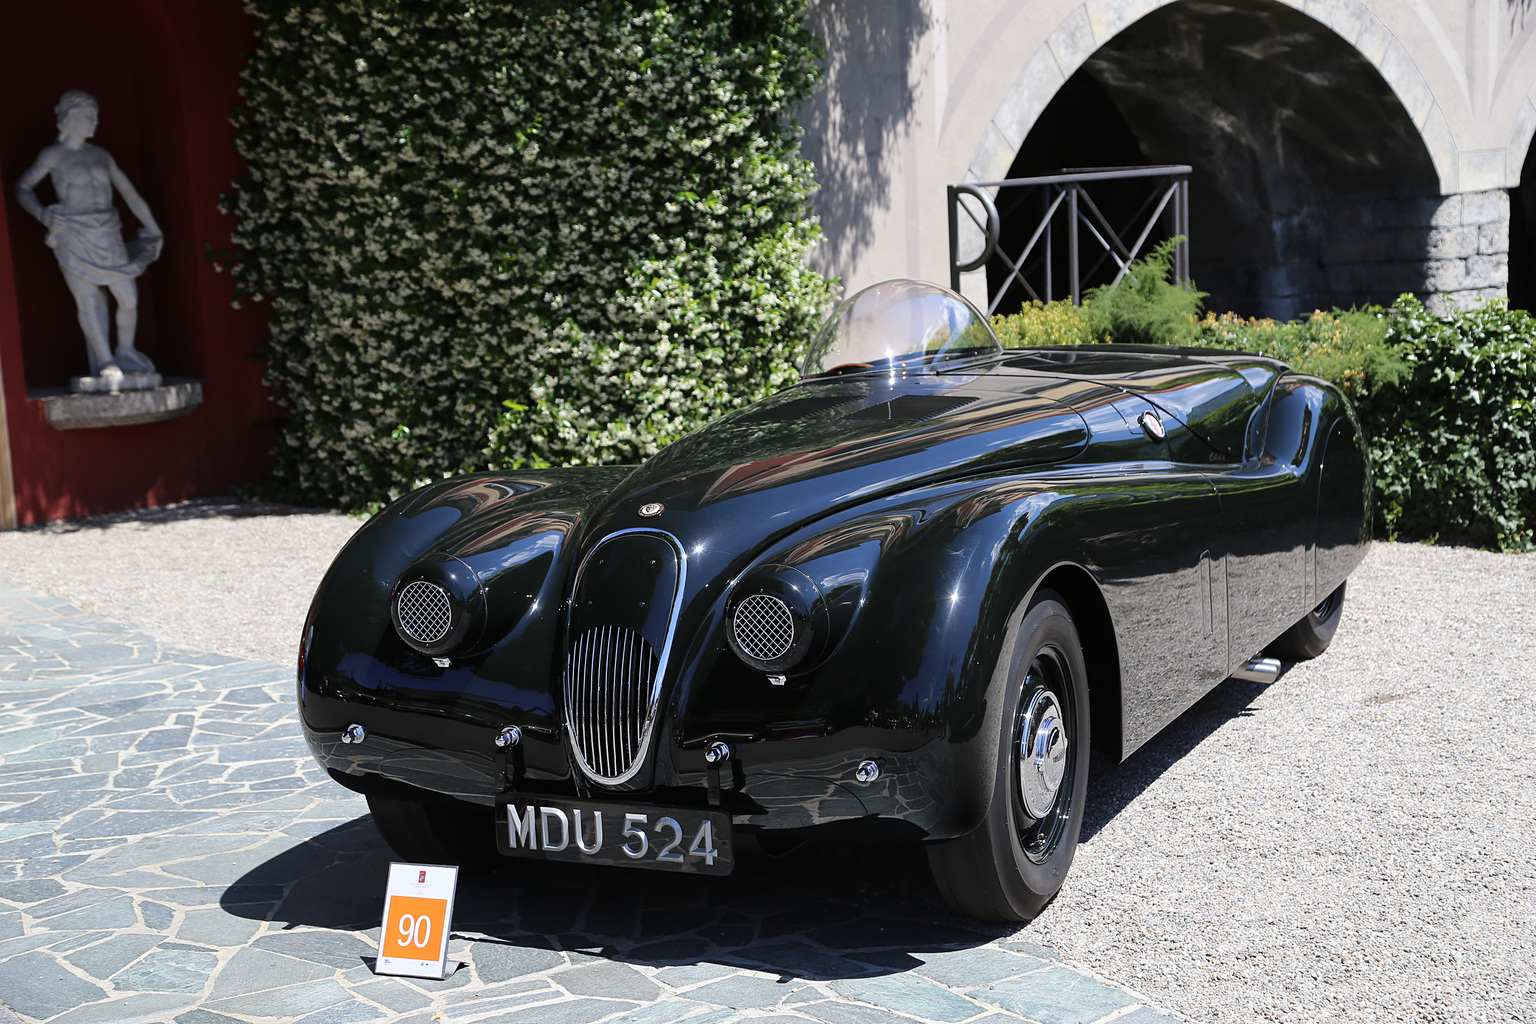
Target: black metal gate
1065,198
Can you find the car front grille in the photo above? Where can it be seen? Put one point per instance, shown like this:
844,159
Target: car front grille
609,675
624,608
423,612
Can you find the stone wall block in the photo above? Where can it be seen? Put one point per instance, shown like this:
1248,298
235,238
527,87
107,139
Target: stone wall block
1373,41
1418,212
1488,271
1372,246
1396,278
993,157
1435,130
1448,214
1073,42
1361,282
1346,17
1351,249
1493,238
1348,279
1351,218
1451,243
1520,139
1485,207
1442,303
1444,276
1040,80
1398,68
1111,17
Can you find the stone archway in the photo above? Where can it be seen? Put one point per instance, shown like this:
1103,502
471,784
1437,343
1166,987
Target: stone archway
1321,154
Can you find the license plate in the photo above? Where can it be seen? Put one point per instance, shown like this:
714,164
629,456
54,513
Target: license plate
584,832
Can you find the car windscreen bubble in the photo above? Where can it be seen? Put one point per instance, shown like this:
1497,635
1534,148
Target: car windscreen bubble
901,326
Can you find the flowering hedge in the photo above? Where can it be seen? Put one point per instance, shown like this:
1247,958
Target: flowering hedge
520,233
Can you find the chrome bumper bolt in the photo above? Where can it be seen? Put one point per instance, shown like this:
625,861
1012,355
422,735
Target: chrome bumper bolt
867,771
717,753
354,733
511,736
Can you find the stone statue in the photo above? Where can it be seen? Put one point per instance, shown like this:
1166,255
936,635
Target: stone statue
86,234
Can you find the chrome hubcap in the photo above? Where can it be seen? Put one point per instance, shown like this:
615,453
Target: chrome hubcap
1042,754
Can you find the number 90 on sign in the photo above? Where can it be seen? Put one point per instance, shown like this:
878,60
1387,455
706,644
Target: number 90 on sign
418,912
415,932
413,928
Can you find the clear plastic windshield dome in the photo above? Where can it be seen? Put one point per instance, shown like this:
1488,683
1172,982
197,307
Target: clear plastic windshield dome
903,326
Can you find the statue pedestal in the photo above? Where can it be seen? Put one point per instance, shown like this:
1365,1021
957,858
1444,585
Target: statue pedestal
84,410
120,382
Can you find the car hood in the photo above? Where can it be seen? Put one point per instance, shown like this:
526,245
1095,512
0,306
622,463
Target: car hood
820,447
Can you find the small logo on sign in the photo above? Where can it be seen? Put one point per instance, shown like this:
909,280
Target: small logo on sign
653,508
421,876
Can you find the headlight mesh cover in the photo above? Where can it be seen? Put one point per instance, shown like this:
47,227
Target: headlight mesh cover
423,612
764,627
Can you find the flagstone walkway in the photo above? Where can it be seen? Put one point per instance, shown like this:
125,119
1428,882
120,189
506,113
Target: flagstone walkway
170,852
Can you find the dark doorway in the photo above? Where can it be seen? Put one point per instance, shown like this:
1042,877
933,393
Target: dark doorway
1311,187
1081,129
1522,237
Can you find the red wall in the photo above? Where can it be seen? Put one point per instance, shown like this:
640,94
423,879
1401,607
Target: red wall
166,74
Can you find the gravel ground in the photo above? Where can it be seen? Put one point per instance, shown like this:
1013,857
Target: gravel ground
212,575
1355,842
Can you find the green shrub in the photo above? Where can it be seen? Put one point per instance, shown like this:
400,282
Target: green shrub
1146,306
520,233
1448,403
1351,348
1044,323
1453,441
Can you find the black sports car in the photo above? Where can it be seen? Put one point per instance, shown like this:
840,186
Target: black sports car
897,602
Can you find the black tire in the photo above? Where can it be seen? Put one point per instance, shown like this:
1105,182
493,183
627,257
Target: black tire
1014,863
432,834
1312,634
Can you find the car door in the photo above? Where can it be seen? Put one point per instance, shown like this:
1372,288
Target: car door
1156,547
1268,510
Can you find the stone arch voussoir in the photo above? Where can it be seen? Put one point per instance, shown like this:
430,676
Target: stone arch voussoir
1094,23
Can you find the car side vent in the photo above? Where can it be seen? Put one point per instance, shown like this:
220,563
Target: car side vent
911,408
795,409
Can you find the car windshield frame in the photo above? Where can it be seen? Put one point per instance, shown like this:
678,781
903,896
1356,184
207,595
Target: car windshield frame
902,327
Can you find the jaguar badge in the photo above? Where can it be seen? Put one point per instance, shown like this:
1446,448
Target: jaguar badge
651,508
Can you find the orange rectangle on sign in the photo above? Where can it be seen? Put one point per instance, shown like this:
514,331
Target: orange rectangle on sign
413,928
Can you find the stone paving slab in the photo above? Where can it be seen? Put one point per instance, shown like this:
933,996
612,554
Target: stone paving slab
170,852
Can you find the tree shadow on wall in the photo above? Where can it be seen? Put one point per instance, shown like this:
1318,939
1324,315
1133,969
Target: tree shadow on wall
853,122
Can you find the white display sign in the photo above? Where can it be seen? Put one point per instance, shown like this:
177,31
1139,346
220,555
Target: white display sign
418,912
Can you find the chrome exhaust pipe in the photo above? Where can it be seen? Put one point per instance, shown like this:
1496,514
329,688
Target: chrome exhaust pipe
1259,670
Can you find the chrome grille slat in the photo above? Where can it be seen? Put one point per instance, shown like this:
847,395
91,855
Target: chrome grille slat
609,678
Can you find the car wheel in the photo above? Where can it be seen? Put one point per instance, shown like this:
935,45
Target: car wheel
1310,636
432,834
1012,865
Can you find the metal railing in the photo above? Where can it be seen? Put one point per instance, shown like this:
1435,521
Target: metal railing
1063,196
